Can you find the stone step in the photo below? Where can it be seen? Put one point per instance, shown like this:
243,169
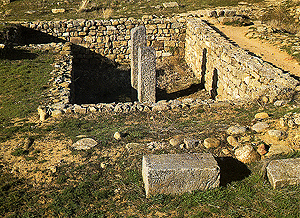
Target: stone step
282,173
179,173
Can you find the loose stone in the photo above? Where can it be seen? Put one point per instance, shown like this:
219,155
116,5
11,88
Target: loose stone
262,149
246,154
84,144
261,116
211,143
236,130
260,127
277,134
117,136
233,141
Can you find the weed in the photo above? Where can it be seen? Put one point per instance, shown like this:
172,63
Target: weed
19,152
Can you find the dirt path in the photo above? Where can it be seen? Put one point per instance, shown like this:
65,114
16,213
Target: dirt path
265,50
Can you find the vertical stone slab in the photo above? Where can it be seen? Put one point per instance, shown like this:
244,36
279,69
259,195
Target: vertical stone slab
282,173
179,173
146,75
138,39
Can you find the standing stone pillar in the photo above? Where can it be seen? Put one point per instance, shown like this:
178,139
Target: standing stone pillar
146,75
138,39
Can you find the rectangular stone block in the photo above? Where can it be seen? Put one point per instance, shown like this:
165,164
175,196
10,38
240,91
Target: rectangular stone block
282,173
138,39
146,75
179,173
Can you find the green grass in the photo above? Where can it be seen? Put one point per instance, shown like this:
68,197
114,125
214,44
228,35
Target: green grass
17,10
24,76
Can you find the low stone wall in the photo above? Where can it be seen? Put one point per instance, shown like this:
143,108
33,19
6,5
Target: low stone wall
111,38
229,72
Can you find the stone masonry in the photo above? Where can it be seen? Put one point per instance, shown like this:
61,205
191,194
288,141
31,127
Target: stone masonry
179,173
138,39
229,72
146,75
282,173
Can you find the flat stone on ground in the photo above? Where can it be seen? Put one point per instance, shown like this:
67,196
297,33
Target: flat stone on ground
236,130
179,173
282,173
84,144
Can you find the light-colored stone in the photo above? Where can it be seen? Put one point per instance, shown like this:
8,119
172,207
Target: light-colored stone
233,141
117,136
176,141
190,142
84,144
262,149
262,115
246,154
282,173
211,143
170,4
58,10
138,39
276,134
133,146
42,113
146,75
57,113
260,127
179,173
236,130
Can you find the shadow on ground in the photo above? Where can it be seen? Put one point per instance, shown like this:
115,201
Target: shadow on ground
232,170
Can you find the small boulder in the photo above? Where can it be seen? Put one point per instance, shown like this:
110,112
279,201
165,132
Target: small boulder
262,149
261,116
176,141
57,113
276,134
211,143
190,142
84,144
117,136
246,154
260,127
42,113
236,130
233,141
58,10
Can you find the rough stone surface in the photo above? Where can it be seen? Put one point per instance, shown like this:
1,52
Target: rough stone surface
211,143
236,130
179,173
276,134
282,173
246,154
117,136
146,75
138,39
84,144
233,141
170,4
262,115
262,149
260,126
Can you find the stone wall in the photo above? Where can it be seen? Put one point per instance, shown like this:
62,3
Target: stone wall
111,38
229,72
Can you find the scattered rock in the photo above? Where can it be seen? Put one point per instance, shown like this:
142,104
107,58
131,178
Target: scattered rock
260,126
279,149
57,113
233,141
277,134
280,103
170,4
236,130
176,141
211,143
117,136
58,10
262,149
133,146
226,151
84,144
190,142
42,113
246,154
156,145
261,116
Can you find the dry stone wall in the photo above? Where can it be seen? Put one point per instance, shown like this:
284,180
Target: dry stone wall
229,72
111,38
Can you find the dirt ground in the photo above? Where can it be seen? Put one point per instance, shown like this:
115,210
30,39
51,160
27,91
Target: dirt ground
262,49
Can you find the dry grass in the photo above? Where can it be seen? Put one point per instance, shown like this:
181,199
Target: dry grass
83,6
107,13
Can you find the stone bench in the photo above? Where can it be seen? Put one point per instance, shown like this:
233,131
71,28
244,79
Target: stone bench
282,173
179,173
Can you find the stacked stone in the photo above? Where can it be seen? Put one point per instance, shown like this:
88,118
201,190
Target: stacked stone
111,38
231,73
